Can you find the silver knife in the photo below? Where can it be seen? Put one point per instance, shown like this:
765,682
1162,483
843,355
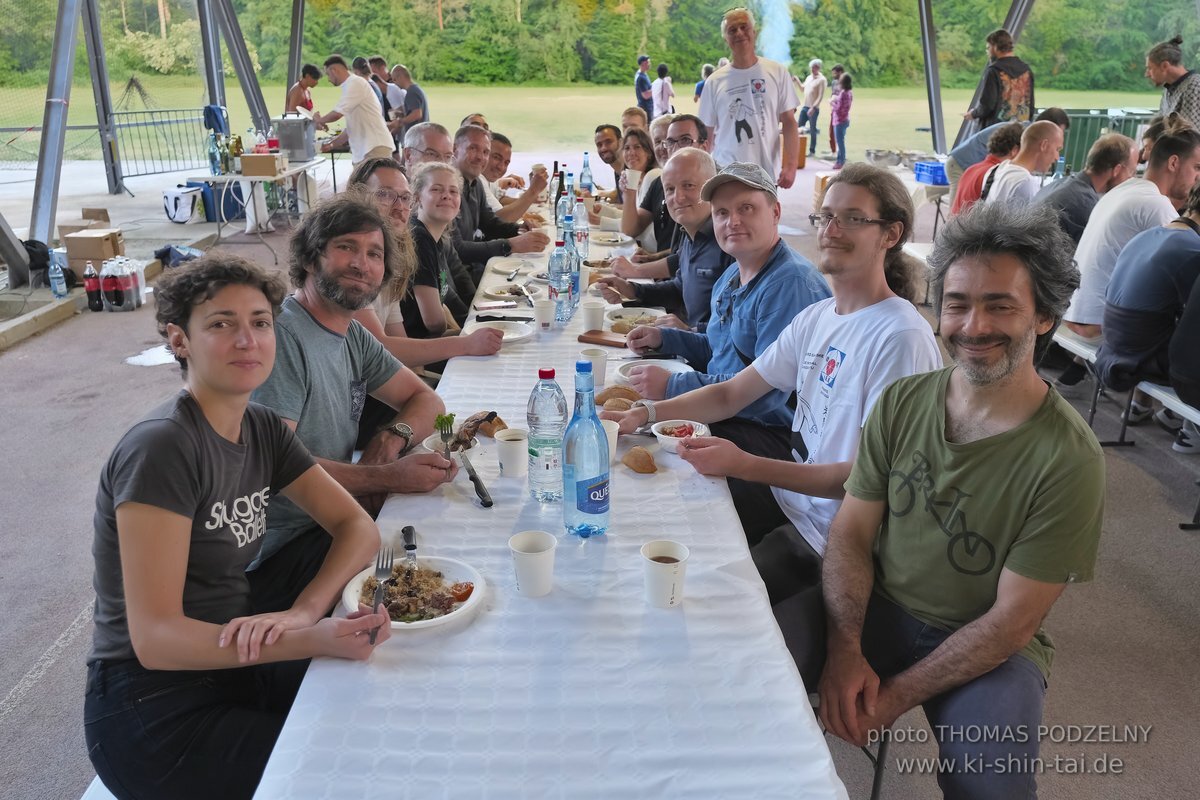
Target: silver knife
512,276
485,499
524,287
410,545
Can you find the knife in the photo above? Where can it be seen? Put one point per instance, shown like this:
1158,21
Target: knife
498,318
485,499
410,545
512,276
648,356
524,287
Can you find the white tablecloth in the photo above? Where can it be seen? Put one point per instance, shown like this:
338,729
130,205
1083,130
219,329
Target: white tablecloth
586,692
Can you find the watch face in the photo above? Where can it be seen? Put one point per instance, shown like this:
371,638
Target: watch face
400,429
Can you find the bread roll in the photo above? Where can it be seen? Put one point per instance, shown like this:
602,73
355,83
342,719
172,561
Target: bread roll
609,392
618,404
639,459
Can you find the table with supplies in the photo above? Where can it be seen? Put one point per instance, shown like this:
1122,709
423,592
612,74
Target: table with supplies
587,691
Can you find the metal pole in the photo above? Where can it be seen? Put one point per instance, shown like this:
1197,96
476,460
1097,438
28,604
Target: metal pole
103,96
248,78
296,45
933,83
54,122
1014,23
210,43
12,250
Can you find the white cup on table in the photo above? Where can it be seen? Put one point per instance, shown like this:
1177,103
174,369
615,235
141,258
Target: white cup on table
512,452
611,429
593,314
598,357
533,561
543,313
664,564
633,179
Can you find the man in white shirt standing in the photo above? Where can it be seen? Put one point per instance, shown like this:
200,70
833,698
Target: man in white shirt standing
1016,180
814,93
367,132
750,105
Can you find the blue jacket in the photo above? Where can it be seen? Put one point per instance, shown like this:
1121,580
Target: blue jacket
747,319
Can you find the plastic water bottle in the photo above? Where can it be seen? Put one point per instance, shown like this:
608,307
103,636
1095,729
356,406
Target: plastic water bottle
546,417
585,175
572,262
583,236
559,280
214,155
585,462
58,283
566,204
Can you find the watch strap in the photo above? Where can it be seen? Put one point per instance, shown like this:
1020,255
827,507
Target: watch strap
651,416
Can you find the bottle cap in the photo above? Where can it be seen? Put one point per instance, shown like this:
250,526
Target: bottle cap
546,373
583,366
560,243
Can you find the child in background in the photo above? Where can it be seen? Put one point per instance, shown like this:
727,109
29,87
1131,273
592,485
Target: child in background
839,117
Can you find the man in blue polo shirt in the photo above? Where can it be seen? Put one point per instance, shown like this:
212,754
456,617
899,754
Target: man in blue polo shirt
642,89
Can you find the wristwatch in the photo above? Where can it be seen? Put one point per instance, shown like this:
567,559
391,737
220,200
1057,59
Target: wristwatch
505,247
651,417
403,431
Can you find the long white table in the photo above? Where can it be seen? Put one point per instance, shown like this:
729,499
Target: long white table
586,692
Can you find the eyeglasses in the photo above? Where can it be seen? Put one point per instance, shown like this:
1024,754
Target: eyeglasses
846,223
436,155
393,198
682,141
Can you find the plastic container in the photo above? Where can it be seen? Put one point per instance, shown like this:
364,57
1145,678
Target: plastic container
585,463
58,282
546,417
931,172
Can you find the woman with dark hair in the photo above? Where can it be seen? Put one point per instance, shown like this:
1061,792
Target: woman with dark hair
663,90
839,116
641,170
187,689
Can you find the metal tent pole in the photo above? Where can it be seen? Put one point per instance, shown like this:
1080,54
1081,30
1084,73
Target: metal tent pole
248,78
296,45
102,94
210,43
933,82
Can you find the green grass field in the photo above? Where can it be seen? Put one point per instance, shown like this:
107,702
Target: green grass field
535,118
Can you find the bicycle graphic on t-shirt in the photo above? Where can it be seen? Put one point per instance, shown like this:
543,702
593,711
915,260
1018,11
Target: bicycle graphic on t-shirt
968,552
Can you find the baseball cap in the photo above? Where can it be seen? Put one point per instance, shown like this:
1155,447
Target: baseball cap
642,59
745,173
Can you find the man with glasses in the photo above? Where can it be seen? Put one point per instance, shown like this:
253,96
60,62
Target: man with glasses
478,233
837,355
427,141
366,131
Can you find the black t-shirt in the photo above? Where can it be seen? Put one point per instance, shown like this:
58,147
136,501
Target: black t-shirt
172,459
655,201
432,270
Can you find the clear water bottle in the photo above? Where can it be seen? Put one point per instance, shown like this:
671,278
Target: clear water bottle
566,204
585,175
559,280
58,282
572,261
583,235
546,417
585,462
214,155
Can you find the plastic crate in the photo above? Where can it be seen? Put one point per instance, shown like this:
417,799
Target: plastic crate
931,172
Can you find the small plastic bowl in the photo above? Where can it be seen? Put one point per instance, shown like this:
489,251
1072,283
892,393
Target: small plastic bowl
671,443
433,443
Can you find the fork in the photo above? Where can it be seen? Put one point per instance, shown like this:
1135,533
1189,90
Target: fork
446,430
383,572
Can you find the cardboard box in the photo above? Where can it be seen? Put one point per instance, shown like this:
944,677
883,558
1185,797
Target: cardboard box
96,244
78,265
98,214
260,164
69,226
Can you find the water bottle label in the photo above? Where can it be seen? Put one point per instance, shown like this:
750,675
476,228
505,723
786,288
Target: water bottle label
591,495
545,458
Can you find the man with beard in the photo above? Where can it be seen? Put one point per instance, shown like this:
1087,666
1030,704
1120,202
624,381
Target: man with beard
608,147
325,366
976,496
1112,160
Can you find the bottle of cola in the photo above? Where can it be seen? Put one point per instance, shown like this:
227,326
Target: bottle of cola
110,287
91,284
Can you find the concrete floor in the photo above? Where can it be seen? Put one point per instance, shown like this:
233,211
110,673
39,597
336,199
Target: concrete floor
1127,642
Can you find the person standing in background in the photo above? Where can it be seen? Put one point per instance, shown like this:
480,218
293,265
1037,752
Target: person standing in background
643,92
814,93
1007,94
663,90
300,95
835,87
839,117
1181,86
705,71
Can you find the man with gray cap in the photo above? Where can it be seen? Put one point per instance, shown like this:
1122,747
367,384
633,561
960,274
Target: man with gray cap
643,90
755,299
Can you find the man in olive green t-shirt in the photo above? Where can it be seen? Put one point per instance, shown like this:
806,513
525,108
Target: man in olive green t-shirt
976,497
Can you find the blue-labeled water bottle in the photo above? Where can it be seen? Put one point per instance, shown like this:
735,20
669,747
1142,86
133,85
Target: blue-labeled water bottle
558,277
546,416
585,462
585,175
58,282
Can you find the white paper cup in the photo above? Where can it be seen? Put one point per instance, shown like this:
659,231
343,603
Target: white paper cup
610,429
585,279
593,314
633,178
512,451
543,312
533,561
664,578
598,357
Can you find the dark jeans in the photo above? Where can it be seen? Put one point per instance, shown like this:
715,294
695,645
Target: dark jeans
791,569
839,133
207,734
756,506
808,116
277,582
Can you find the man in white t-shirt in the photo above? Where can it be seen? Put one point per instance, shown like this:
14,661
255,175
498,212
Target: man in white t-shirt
1016,180
366,131
1134,206
814,93
750,105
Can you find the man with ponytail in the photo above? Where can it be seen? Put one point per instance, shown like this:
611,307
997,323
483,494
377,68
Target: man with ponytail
1180,85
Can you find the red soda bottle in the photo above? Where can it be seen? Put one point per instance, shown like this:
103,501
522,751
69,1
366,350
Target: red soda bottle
91,284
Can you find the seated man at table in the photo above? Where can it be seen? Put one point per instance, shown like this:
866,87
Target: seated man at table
1112,160
1018,179
494,180
478,233
326,364
608,147
634,117
701,260
975,147
752,302
1004,144
976,496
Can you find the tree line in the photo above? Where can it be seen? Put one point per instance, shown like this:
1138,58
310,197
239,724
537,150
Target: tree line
1071,44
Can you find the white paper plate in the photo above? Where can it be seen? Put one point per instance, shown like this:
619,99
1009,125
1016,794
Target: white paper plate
304,112
513,331
671,365
453,571
498,292
618,314
503,266
609,239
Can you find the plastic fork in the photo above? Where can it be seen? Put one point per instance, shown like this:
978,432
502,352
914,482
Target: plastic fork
383,572
446,430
